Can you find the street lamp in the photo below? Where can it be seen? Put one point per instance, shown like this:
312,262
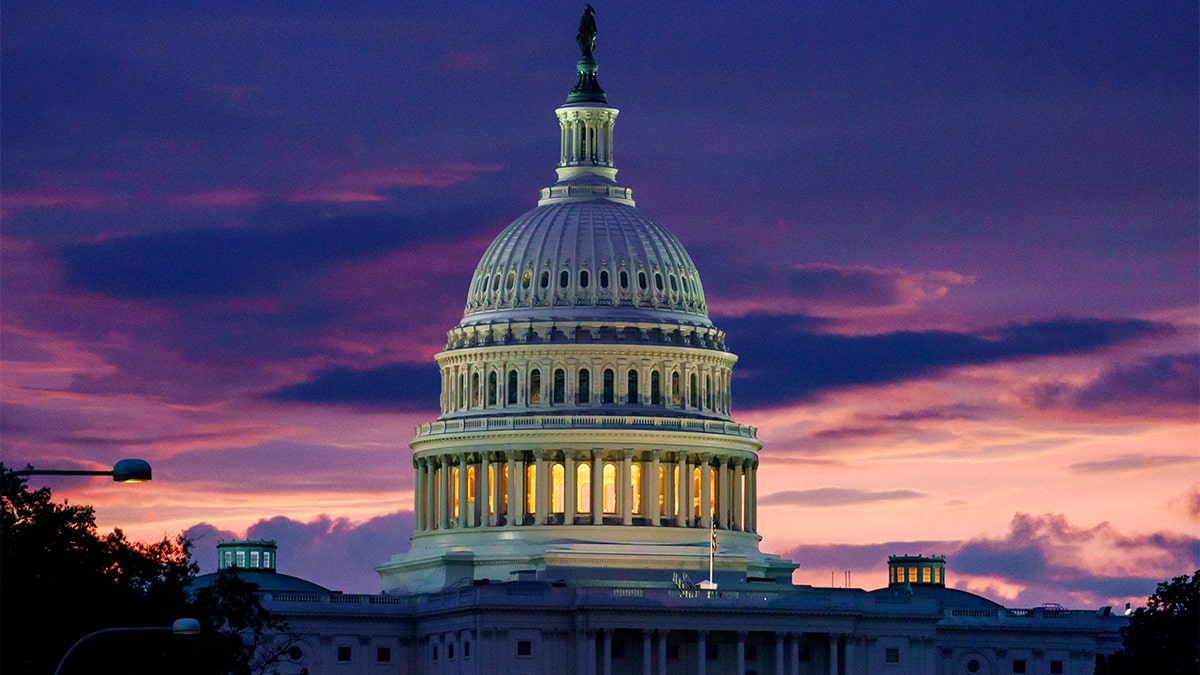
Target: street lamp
180,627
124,471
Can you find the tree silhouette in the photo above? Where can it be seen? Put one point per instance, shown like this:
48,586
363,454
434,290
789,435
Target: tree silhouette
1164,636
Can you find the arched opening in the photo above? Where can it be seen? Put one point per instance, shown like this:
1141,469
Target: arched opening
491,388
714,495
491,479
511,395
631,387
545,280
696,492
560,386
470,489
564,279
662,490
531,488
658,282
676,390
474,390
693,391
583,488
608,385
635,484
557,487
642,280
708,392
526,279
603,278
655,388
584,394
610,487
454,492
624,278
535,387
584,279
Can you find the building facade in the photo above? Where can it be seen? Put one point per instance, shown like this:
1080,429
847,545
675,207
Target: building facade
585,473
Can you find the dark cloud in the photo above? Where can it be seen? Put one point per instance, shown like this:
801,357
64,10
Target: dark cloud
398,385
941,413
333,552
1131,462
1156,383
783,361
283,242
835,497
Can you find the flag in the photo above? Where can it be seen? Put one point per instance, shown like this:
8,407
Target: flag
714,538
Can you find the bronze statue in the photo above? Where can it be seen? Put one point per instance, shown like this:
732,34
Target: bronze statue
587,32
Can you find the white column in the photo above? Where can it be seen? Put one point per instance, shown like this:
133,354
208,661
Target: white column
705,493
701,648
486,515
479,513
794,657
569,489
779,654
685,491
662,651
514,497
597,487
669,496
462,490
542,497
752,498
626,493
418,484
738,497
431,506
655,466
445,489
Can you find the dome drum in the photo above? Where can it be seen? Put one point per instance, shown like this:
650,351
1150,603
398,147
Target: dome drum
599,332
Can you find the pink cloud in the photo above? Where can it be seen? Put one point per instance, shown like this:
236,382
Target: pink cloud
367,186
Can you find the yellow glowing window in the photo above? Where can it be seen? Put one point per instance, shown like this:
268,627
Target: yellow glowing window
696,492
504,489
926,575
912,574
583,488
470,485
454,491
712,490
635,484
531,488
526,279
938,576
610,488
662,490
491,479
556,488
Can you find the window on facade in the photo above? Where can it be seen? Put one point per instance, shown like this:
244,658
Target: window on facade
655,388
462,391
560,386
973,666
708,388
674,285
491,391
658,283
642,281
583,488
926,574
435,653
228,558
714,495
487,283
504,488
693,392
535,387
383,655
474,390
557,488
696,492
267,559
892,655
467,649
1056,667
295,653
512,281
608,386
345,654
496,282
450,652
631,387
254,558
531,488
676,391
512,387
624,279
912,574
610,487
584,394
526,279
454,492
583,278
524,648
635,483
1018,666
470,486
545,280
564,278
241,558
603,278
662,490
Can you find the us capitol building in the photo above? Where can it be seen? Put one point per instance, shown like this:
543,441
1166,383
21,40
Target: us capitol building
585,470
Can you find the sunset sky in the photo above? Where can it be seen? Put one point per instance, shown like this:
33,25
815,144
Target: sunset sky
954,244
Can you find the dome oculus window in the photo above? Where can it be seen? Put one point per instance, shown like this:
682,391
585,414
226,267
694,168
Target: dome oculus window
526,279
624,279
642,281
603,278
583,279
658,281
545,281
564,278
674,286
512,281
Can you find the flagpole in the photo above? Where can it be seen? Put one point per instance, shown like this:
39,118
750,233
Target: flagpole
712,551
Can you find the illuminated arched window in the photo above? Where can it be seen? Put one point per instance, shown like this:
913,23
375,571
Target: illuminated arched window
610,487
556,488
655,388
676,390
635,483
712,491
560,386
531,488
696,492
662,490
491,478
675,479
491,392
583,488
504,489
584,394
454,492
535,387
631,387
511,396
608,386
470,488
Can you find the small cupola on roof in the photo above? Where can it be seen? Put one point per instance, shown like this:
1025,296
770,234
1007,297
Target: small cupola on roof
247,554
916,570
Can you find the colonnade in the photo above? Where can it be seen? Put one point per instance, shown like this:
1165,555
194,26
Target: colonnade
586,136
472,489
787,652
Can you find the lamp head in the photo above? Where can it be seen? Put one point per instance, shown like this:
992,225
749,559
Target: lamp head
185,627
131,471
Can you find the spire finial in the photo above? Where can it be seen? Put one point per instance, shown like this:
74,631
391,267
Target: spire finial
587,89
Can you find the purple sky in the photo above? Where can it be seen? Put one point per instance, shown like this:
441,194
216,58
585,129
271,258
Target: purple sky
955,246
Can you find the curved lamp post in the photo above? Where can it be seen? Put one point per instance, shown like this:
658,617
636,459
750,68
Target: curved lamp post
180,627
124,471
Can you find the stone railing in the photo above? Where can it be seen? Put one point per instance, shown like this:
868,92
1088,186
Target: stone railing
559,422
